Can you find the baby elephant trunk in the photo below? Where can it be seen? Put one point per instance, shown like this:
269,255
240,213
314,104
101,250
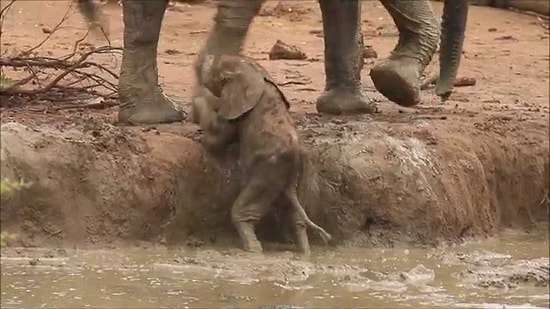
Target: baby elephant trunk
455,15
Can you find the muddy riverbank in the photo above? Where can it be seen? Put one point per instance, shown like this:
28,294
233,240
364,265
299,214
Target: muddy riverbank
139,217
465,169
368,182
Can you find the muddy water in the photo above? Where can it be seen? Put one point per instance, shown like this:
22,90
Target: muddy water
510,271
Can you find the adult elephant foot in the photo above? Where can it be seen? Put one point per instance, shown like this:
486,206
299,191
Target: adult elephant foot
153,108
141,98
339,101
398,78
343,59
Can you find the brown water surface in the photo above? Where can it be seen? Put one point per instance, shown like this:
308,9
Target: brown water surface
510,271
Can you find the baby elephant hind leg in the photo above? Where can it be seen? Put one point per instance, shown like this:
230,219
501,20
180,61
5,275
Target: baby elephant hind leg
301,221
251,205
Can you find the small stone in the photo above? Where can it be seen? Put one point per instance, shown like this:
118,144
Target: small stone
47,30
369,52
282,50
318,33
172,52
492,29
506,38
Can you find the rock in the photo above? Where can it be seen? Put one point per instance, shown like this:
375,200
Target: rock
173,52
465,81
317,32
282,50
506,38
369,52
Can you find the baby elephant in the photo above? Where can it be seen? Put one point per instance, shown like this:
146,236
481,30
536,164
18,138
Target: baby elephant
239,102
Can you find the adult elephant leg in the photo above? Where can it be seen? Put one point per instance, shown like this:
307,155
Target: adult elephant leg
343,59
141,98
398,78
231,25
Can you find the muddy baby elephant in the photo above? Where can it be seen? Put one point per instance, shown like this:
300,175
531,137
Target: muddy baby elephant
239,102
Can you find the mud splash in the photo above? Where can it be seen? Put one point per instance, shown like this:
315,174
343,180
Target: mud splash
228,278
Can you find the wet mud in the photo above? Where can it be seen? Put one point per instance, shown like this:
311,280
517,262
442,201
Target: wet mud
369,183
416,198
443,277
420,175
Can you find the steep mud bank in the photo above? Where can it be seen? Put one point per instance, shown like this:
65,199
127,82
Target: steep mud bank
368,182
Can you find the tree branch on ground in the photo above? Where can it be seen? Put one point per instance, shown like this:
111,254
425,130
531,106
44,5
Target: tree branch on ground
66,66
59,79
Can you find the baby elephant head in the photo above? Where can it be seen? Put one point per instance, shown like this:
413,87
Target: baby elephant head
242,87
236,81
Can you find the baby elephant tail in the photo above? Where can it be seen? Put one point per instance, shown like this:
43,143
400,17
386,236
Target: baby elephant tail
295,203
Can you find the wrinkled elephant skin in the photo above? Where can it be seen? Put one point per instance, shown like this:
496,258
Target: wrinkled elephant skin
240,92
398,78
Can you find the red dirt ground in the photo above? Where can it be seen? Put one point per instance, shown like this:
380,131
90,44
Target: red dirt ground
506,52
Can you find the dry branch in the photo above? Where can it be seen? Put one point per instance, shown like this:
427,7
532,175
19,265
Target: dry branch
63,79
463,81
95,105
66,66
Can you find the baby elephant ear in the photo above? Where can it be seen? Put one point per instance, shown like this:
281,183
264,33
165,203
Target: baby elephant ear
241,92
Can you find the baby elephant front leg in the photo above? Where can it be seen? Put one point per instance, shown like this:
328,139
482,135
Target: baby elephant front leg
217,138
218,132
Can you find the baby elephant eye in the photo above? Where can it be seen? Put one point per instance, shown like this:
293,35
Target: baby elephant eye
223,81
